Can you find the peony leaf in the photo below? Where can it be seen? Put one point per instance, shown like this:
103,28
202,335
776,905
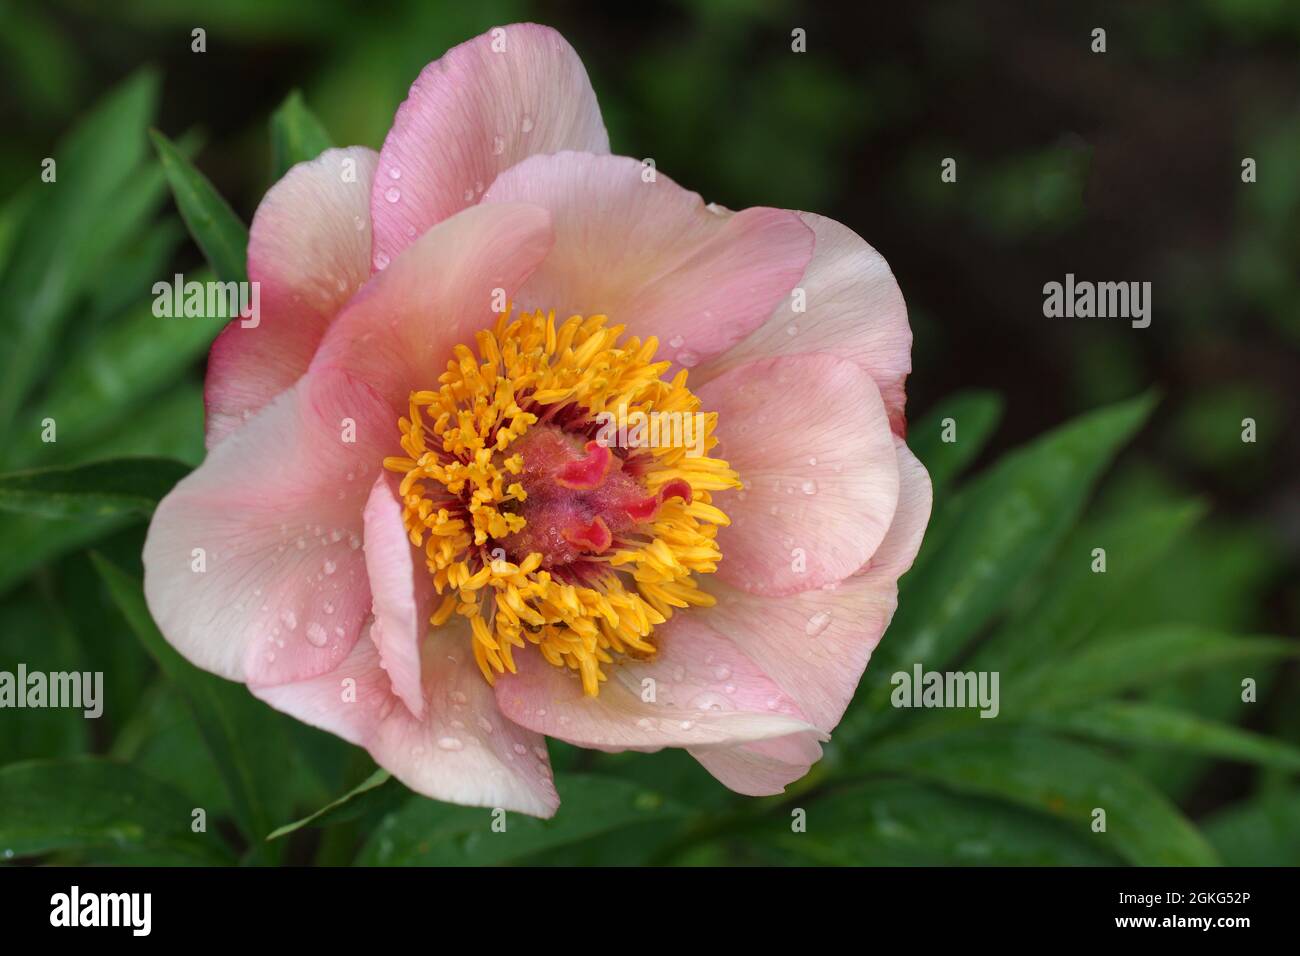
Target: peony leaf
296,135
247,739
1150,725
974,416
1135,660
121,486
216,229
108,810
379,790
98,196
1055,777
429,833
903,823
1008,520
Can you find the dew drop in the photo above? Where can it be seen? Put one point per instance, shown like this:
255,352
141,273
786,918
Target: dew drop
395,173
676,341
330,567
290,619
392,194
450,743
688,359
817,623
809,487
527,124
316,635
381,261
498,145
520,749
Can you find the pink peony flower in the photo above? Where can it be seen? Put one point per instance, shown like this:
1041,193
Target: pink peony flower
416,531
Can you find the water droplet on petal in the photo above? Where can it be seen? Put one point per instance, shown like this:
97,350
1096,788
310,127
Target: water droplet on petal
395,173
392,194
809,487
688,359
498,145
527,124
817,623
316,635
450,743
381,261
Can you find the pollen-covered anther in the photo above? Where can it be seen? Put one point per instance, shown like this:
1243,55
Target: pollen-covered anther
532,528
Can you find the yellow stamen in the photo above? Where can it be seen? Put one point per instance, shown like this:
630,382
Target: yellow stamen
460,496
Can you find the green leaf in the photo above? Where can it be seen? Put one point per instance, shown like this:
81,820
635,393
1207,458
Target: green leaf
211,222
31,541
246,738
1071,599
100,807
129,361
902,823
1136,660
122,486
1056,777
429,833
1264,831
1149,725
31,636
975,414
296,135
1013,516
379,790
98,196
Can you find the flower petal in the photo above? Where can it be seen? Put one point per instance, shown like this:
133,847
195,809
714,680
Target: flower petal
308,252
809,438
398,332
253,568
852,308
816,644
703,690
402,592
652,256
487,104
462,750
763,768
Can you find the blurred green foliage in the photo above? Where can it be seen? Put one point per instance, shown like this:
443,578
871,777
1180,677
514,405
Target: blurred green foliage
1121,690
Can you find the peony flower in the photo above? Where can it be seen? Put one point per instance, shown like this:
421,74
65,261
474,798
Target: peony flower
413,527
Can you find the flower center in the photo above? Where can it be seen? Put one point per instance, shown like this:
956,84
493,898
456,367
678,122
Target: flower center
561,492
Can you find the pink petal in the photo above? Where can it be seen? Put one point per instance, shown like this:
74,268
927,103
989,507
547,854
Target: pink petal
816,644
398,332
473,114
809,437
462,750
308,250
402,590
705,692
763,768
652,256
276,511
854,309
